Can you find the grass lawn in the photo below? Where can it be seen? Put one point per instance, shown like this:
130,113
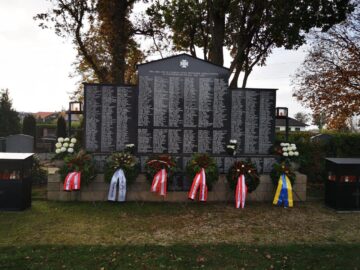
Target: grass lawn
54,235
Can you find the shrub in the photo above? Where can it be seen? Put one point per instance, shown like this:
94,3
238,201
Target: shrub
313,154
61,127
29,125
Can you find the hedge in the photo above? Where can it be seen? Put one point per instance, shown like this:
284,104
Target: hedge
312,160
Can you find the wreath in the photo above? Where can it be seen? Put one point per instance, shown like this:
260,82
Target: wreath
80,162
246,168
282,168
156,163
125,161
199,161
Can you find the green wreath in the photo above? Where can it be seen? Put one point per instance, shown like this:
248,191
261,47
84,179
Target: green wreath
80,162
246,168
125,161
279,169
157,162
199,161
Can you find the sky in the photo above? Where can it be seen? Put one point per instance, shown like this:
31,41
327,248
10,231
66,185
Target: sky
35,64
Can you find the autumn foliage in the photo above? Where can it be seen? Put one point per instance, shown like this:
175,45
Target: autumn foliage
328,82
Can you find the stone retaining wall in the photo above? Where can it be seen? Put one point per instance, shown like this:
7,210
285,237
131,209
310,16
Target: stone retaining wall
140,190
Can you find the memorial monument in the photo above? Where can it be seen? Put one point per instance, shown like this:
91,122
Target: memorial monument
180,106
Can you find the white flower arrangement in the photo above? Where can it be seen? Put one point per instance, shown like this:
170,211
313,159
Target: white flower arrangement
289,150
231,147
64,146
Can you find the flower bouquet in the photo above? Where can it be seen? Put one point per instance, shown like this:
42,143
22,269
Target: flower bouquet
203,161
247,169
231,147
81,162
65,147
125,161
157,162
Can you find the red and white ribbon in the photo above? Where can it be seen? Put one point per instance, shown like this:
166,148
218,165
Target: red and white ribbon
240,193
72,181
199,182
160,182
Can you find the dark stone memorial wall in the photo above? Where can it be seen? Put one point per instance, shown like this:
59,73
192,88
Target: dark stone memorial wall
110,112
181,105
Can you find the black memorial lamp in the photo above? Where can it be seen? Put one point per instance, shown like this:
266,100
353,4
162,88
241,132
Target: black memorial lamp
75,107
283,113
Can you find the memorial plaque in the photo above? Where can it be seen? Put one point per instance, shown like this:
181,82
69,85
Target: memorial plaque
181,106
126,115
108,118
238,118
93,111
253,120
184,107
266,121
110,112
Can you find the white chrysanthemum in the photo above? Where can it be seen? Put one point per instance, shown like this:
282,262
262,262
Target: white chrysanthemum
285,154
70,150
66,145
296,153
231,146
284,149
66,139
130,145
233,141
293,145
58,151
291,153
71,145
73,140
60,139
282,144
63,149
58,145
294,148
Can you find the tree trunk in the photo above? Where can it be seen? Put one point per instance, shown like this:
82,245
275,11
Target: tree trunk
233,83
115,26
217,10
246,76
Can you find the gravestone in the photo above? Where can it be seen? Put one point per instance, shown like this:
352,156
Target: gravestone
182,105
20,143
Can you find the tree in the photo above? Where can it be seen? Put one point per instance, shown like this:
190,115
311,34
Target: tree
29,125
302,117
61,127
9,118
102,34
328,82
250,29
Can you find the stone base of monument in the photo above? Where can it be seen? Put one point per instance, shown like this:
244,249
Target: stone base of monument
140,191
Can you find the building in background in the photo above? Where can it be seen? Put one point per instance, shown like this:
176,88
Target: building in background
294,125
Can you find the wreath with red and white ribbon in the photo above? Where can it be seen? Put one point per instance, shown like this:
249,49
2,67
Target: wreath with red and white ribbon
242,178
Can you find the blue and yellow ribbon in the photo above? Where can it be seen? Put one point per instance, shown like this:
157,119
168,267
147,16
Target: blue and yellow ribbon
283,193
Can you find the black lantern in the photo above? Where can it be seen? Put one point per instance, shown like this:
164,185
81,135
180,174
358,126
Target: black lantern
283,113
75,107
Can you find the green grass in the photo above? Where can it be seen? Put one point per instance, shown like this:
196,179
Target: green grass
222,256
55,235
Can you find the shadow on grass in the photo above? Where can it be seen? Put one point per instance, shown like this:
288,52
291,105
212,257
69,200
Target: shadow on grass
221,256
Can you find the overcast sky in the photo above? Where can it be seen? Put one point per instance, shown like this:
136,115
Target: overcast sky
35,64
